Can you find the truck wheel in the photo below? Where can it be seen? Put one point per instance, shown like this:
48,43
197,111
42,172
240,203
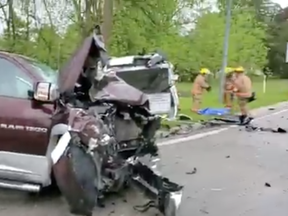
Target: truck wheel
75,175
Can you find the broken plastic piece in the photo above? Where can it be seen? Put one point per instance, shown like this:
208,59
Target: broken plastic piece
254,128
267,184
279,130
192,172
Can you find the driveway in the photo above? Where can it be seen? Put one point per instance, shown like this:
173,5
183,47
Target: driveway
238,173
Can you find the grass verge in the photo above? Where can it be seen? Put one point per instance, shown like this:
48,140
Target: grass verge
276,91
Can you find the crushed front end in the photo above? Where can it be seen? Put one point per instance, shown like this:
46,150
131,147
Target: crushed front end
102,152
88,170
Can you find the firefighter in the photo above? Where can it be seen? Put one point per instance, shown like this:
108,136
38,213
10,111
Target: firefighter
199,86
243,91
228,87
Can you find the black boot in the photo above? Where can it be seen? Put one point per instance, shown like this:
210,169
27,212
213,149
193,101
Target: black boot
245,120
241,119
249,119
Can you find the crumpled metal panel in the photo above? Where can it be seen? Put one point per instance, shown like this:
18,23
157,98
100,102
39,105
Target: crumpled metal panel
126,129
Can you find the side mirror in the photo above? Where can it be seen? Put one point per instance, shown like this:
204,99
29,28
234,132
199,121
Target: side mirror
45,92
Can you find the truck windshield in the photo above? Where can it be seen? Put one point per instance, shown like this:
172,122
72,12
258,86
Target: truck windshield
43,70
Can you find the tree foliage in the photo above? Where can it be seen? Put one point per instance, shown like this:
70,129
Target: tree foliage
246,46
190,32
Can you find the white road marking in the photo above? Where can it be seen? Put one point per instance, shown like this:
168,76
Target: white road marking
212,132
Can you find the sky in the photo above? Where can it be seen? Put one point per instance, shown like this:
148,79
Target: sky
283,3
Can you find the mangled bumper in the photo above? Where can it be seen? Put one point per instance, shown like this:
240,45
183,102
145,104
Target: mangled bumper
165,195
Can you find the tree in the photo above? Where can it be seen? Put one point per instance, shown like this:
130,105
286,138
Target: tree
131,26
246,46
277,52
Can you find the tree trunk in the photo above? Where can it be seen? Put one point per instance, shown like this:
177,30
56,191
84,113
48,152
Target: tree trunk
26,8
11,25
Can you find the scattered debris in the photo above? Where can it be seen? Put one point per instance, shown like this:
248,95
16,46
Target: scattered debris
251,128
271,108
231,120
280,130
111,212
204,211
267,185
192,172
184,125
145,207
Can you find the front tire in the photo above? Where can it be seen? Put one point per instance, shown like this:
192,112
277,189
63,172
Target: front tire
75,175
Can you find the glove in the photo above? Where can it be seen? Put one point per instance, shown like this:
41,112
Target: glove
252,98
208,88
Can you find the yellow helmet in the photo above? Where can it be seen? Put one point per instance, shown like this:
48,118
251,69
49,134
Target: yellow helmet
204,71
239,69
229,70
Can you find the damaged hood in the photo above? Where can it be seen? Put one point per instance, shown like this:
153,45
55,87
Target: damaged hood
69,73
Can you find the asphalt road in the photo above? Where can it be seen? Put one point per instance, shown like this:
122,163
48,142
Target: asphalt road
233,166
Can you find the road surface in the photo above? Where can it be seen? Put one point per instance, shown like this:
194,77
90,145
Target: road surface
234,171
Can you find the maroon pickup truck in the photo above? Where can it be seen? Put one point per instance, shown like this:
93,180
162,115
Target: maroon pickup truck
25,124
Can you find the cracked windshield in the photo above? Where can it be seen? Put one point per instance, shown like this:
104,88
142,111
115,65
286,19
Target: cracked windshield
184,99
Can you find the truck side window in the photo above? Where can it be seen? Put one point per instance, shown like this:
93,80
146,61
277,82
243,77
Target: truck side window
13,81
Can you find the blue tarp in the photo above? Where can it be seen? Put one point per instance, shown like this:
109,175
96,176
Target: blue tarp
214,111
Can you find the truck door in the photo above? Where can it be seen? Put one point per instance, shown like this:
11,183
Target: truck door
23,123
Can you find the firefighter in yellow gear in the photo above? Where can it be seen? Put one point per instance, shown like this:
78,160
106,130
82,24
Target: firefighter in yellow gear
228,96
243,91
200,85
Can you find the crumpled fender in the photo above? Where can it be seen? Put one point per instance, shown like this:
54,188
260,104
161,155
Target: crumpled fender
75,173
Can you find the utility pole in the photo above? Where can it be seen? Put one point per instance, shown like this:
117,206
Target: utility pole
287,52
225,50
107,19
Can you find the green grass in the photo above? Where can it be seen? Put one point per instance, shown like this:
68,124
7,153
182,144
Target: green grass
276,91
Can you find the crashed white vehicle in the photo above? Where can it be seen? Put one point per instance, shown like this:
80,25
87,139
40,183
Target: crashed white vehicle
157,81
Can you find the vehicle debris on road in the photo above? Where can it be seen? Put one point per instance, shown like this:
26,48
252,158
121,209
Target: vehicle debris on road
267,184
194,171
251,128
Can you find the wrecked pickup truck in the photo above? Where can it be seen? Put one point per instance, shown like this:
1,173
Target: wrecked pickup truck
88,131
